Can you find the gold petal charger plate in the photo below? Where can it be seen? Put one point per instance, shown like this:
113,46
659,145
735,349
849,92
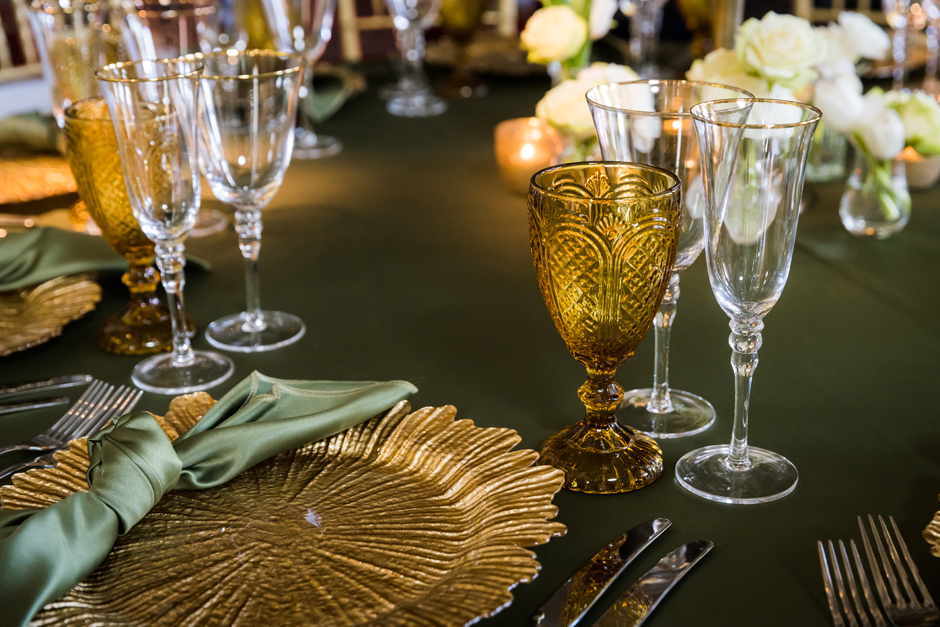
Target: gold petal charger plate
407,519
34,315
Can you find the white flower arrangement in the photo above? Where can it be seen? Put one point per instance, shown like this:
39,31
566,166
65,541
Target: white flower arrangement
562,31
853,38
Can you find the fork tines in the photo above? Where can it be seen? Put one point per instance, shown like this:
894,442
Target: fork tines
851,606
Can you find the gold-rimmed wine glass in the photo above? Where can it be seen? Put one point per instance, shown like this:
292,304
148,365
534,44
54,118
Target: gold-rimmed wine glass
603,239
142,326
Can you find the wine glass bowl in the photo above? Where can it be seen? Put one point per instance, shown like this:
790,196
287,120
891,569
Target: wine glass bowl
603,240
650,122
753,163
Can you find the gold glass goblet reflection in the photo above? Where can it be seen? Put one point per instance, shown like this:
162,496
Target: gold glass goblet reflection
603,239
142,327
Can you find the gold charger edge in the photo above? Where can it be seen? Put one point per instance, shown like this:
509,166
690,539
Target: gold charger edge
407,519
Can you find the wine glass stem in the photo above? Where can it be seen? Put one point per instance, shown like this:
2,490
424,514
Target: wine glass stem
899,54
412,50
660,403
745,340
171,262
304,121
644,33
248,227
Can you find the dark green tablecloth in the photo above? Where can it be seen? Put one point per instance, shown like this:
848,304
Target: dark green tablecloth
407,259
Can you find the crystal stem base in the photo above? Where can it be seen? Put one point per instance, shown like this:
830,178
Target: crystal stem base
162,375
237,332
416,105
708,473
309,145
690,414
604,459
208,221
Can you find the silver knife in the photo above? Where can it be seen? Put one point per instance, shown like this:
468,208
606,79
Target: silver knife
640,599
35,403
576,596
55,383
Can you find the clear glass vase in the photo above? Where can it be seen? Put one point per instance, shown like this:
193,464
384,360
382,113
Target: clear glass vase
826,160
876,201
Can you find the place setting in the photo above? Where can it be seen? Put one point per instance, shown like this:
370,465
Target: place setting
188,460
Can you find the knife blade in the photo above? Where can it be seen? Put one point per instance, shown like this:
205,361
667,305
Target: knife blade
54,383
576,596
36,403
640,599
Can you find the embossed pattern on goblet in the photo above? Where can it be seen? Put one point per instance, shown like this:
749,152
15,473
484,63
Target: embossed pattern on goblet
142,327
604,241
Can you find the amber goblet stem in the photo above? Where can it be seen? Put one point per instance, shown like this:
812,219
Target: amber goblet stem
601,395
141,277
248,226
660,402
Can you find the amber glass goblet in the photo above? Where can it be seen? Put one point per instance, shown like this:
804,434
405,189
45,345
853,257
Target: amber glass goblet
142,326
604,239
461,19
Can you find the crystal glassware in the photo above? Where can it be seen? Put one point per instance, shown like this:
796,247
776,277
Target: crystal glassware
153,29
898,14
649,122
305,26
153,107
461,19
646,20
753,159
411,18
876,201
142,326
249,103
603,240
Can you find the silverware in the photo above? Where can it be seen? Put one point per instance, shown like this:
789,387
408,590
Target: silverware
840,586
905,610
122,401
59,434
54,383
576,596
640,599
36,403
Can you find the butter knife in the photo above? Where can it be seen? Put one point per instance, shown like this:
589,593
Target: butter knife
54,383
640,599
35,403
576,596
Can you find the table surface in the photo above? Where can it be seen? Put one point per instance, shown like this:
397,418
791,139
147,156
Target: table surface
408,259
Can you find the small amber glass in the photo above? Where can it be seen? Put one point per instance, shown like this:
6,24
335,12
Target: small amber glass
142,327
603,239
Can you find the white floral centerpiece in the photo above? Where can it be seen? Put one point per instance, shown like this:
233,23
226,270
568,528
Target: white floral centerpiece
566,109
561,33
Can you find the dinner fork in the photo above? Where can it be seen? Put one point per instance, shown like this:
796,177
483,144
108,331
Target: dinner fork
121,402
59,434
905,610
851,606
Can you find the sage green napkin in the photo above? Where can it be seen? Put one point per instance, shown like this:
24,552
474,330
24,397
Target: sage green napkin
32,132
332,88
36,255
45,553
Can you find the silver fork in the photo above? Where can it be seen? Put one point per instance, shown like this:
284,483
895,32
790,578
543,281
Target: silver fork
852,607
122,401
905,610
59,434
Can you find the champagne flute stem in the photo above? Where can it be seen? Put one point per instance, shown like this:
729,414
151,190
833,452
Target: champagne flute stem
248,227
899,54
412,50
304,122
745,341
660,403
171,262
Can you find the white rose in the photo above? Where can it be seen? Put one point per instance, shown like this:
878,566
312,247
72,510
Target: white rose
781,48
883,134
602,16
554,33
865,38
840,100
722,66
920,114
603,73
840,57
566,108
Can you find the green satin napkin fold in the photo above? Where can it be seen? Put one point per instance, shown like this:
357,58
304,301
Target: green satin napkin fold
45,553
332,88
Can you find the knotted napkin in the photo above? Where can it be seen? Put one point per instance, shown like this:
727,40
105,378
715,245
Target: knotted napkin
45,553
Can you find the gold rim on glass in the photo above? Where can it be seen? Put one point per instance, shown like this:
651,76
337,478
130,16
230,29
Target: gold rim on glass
800,105
598,164
656,81
101,73
201,56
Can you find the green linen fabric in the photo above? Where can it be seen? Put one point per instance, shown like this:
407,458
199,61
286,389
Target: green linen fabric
44,553
37,255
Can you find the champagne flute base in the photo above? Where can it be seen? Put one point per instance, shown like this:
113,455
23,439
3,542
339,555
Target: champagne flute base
690,414
234,333
309,145
603,459
209,222
161,375
707,473
416,105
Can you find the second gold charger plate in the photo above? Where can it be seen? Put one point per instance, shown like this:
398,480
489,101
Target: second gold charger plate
407,519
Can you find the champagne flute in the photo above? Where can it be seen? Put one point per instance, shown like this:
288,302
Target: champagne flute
153,107
753,161
248,107
411,18
649,122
